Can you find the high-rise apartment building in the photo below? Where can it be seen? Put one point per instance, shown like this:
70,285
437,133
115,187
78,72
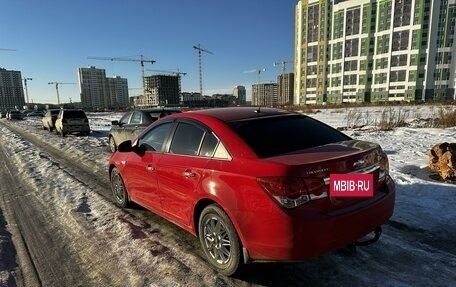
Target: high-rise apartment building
311,50
285,89
11,90
240,93
117,90
99,92
265,94
388,50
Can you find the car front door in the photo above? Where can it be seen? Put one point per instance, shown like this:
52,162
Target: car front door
134,127
117,130
142,165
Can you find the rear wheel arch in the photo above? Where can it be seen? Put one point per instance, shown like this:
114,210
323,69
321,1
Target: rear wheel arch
220,240
201,205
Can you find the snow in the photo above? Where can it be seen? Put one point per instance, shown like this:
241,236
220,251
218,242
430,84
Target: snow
417,248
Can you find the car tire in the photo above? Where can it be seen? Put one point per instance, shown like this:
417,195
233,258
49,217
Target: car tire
62,134
219,240
118,189
112,144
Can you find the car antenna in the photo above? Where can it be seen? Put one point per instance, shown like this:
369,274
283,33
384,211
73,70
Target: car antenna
258,110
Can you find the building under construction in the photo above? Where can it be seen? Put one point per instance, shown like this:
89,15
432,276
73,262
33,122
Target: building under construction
162,90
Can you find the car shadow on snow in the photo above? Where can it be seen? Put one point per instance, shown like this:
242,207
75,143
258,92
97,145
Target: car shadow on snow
99,133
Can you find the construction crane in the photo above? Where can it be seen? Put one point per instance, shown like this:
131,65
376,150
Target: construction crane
57,88
258,71
200,51
5,49
283,63
26,90
141,60
177,73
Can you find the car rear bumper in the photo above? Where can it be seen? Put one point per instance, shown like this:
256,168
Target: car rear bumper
304,233
76,129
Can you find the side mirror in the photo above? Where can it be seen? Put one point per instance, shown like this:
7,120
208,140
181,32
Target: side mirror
115,123
125,146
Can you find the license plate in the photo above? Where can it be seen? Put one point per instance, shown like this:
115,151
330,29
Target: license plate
352,185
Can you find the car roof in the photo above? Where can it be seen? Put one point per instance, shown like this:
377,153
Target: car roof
231,114
158,110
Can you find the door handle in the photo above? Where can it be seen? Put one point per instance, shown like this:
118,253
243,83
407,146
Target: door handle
189,174
150,168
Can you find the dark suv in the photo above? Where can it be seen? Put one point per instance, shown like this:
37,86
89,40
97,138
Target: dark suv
72,121
133,122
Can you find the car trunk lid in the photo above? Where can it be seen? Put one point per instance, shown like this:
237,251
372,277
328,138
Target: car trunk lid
315,165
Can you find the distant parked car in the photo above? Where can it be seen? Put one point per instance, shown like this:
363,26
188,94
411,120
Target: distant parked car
35,114
134,122
254,184
15,115
72,121
49,118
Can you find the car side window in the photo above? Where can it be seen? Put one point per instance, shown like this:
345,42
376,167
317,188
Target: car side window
135,118
209,144
154,139
125,118
187,139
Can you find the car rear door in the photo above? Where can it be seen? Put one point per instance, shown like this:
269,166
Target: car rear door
181,170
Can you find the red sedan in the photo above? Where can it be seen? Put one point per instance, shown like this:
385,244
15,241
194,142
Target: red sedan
253,183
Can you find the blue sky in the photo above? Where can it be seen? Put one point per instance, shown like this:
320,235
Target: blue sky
53,38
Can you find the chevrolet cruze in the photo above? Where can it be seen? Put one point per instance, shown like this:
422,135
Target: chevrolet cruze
253,183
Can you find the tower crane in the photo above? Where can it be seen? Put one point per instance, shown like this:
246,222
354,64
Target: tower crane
57,88
200,51
141,60
258,71
177,73
283,63
26,90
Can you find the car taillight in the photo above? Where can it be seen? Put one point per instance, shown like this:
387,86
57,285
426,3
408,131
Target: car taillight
291,192
384,167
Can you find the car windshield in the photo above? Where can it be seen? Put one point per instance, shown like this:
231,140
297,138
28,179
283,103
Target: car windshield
280,135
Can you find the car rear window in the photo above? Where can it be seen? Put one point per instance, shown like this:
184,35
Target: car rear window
280,135
75,114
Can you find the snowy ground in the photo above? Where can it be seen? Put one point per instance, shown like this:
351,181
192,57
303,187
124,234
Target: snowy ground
418,246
